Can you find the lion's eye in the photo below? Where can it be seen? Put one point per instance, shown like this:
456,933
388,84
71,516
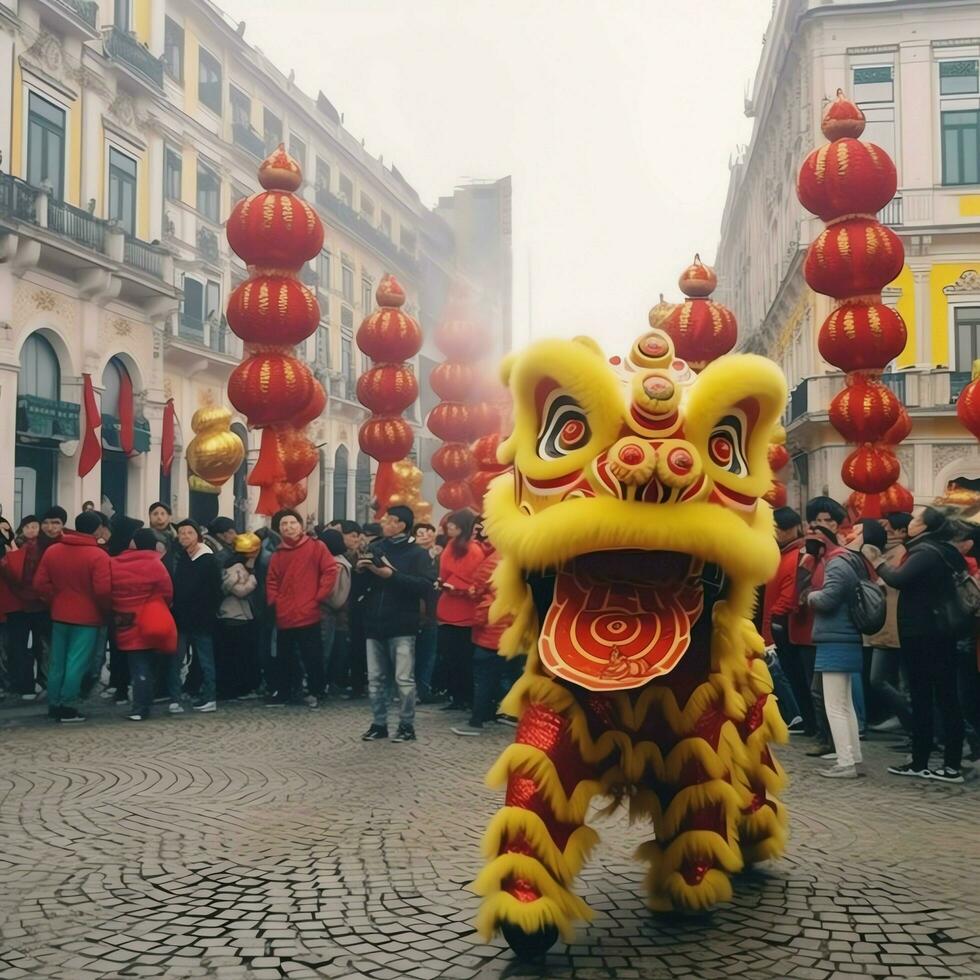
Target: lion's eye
564,427
726,446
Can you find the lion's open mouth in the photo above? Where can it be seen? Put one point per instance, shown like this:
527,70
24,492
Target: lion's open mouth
620,618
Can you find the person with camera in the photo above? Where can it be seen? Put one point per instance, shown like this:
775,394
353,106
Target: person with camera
929,629
398,574
838,637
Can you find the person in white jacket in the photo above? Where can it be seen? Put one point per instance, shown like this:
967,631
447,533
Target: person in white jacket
237,651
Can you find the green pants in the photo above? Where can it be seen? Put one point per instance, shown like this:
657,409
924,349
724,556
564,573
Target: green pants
71,654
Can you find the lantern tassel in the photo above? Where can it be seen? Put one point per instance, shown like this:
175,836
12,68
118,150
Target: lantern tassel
268,502
385,484
268,467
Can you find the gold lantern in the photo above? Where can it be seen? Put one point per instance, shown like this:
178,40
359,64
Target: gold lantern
215,453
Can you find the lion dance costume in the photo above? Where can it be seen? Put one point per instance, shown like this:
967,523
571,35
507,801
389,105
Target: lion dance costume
633,537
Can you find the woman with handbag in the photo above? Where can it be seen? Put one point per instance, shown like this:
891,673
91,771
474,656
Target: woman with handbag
141,595
928,636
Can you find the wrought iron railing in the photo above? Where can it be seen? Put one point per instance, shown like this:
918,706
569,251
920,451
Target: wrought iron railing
896,382
17,198
123,47
191,327
958,380
76,224
85,10
207,243
141,255
244,136
891,213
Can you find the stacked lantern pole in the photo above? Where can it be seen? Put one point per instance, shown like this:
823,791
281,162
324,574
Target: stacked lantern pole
491,425
456,382
389,337
275,233
846,183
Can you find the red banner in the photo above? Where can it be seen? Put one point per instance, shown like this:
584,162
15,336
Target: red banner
91,445
167,439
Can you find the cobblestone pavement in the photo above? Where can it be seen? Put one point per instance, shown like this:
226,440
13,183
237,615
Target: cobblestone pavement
259,843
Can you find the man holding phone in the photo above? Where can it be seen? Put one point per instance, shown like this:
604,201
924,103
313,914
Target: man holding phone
398,574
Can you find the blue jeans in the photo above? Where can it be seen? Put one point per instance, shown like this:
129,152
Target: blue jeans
487,670
785,699
425,658
142,665
203,646
396,653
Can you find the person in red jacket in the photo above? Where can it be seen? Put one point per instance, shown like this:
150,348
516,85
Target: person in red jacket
456,608
74,580
301,576
142,592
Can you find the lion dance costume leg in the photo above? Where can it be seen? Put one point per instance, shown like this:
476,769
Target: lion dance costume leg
633,536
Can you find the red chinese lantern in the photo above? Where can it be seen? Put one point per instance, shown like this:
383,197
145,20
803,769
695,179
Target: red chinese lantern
455,495
776,495
968,404
273,310
484,419
270,387
454,381
386,439
389,337
846,177
701,329
454,461
275,232
864,411
870,469
853,257
862,336
778,457
895,500
846,182
450,421
460,339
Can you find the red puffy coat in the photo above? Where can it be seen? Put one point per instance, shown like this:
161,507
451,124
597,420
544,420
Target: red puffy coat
301,576
8,600
456,606
142,592
485,633
19,569
779,598
74,580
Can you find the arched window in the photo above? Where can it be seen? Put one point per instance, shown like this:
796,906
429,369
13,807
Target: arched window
40,373
112,380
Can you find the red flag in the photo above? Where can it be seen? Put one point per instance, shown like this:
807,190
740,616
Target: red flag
126,420
91,445
167,439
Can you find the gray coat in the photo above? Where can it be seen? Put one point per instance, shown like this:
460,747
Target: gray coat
832,621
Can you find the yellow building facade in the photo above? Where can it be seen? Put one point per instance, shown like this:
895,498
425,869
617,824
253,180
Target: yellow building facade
915,71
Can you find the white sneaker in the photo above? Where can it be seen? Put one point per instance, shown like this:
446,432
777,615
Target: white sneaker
28,697
176,708
839,772
830,756
206,707
888,725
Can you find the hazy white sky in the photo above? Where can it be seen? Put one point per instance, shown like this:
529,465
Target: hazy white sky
615,118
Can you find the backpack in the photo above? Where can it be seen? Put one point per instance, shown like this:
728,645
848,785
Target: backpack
866,604
958,606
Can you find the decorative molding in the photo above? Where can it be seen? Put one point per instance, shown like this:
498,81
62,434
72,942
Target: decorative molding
957,42
968,282
872,49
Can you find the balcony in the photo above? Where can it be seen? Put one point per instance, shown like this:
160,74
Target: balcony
891,213
207,244
344,387
44,418
958,380
143,256
211,334
17,199
72,18
375,238
141,67
76,224
242,135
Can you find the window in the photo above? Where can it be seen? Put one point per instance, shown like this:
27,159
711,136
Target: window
122,190
40,373
272,128
201,301
323,346
209,81
347,357
46,145
367,207
323,271
237,193
297,150
367,295
112,378
958,78
173,50
966,329
407,240
172,172
347,282
120,15
346,190
241,107
874,92
208,192
961,147
386,223
322,175
347,317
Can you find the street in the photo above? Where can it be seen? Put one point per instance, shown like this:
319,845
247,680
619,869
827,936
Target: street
274,843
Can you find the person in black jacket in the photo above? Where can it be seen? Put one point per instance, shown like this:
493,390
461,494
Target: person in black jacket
924,581
197,597
399,575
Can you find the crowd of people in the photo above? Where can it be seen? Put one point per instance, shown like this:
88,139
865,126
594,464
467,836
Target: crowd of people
175,614
872,625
